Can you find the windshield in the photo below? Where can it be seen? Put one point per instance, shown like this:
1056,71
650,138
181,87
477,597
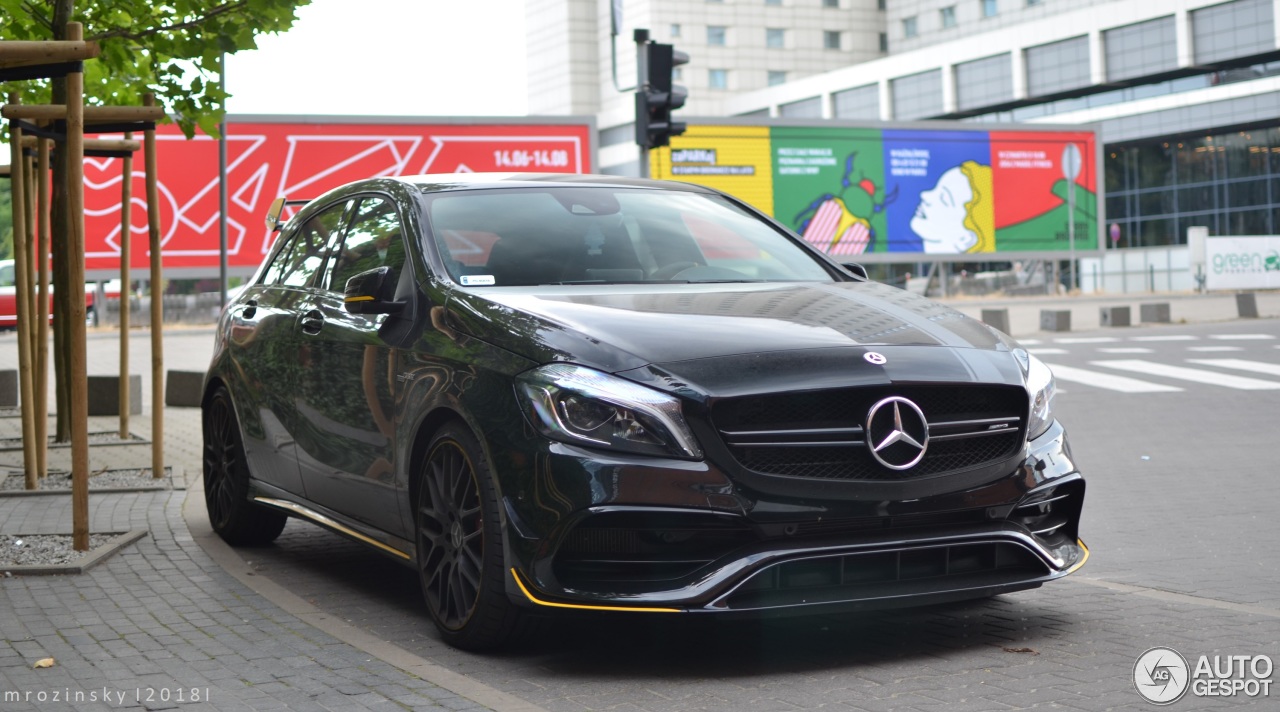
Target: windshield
596,235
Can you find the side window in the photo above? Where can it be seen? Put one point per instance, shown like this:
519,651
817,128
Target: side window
372,241
299,260
6,275
275,271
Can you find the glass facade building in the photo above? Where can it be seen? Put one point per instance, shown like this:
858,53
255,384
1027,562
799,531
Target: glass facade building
1227,182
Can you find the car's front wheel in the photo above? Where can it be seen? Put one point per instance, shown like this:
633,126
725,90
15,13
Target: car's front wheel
237,520
459,544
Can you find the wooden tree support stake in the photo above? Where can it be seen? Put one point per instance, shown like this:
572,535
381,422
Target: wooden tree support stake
22,268
79,380
157,302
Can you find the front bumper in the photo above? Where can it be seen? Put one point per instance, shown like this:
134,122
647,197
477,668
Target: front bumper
1012,533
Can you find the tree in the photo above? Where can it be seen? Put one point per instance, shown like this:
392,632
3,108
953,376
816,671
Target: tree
171,49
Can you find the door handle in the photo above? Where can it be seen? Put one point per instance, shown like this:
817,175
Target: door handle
312,322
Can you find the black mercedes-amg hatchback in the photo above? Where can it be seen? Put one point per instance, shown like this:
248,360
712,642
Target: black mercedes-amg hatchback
549,393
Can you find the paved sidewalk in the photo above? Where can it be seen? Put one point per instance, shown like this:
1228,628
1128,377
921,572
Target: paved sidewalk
167,616
162,626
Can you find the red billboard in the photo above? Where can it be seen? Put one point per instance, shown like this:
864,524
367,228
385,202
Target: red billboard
266,160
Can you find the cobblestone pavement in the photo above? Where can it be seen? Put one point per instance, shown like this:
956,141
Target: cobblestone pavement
163,614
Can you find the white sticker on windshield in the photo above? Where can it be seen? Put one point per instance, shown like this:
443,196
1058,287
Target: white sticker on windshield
478,280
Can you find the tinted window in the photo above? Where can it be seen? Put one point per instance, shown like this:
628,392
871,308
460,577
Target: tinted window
373,240
299,261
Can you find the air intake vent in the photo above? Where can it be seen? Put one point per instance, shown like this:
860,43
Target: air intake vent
885,574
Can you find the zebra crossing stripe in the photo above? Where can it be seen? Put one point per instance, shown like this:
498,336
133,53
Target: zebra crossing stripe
1048,352
1242,337
1151,368
1109,381
1126,350
1204,349
1086,340
1271,369
1167,337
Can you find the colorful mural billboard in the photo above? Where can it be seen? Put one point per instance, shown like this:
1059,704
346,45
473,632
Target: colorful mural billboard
296,160
853,191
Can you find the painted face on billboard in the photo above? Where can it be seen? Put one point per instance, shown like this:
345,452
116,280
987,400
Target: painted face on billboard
940,216
956,215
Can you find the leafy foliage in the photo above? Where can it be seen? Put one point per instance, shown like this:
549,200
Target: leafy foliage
172,49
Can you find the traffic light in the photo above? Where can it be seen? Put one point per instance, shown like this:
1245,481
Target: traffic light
657,97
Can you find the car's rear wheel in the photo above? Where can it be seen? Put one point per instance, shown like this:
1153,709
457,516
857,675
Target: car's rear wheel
237,520
459,543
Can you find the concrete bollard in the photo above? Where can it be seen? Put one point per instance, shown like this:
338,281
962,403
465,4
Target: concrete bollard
996,318
1114,316
183,388
104,395
9,388
1055,320
1247,305
1157,313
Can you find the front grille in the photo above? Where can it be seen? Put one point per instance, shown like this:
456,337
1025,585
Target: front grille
819,434
884,574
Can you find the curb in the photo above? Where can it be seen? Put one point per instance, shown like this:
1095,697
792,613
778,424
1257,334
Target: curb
176,481
81,565
134,439
193,511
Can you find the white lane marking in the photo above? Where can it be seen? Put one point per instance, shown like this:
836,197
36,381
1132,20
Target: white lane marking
1048,352
1214,348
1030,342
1242,337
1271,369
1125,350
1086,340
1151,368
1109,381
1168,337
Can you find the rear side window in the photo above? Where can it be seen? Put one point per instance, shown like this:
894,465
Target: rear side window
298,262
373,240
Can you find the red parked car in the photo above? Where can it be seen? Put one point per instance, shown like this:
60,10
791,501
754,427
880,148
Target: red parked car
9,305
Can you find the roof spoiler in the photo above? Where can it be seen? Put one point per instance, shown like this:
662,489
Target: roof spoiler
277,208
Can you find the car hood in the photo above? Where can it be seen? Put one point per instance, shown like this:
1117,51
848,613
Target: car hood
622,327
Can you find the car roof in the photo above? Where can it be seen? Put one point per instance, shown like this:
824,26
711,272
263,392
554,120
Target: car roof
469,181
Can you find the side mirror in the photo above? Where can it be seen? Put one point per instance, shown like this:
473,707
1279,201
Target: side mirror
856,270
372,292
273,214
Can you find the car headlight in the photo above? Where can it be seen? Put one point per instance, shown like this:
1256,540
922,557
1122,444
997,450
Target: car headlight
583,406
1041,389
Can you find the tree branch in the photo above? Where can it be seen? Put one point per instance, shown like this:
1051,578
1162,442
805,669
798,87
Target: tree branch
38,16
123,33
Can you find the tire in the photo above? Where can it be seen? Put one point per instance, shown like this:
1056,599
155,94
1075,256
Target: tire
232,515
459,545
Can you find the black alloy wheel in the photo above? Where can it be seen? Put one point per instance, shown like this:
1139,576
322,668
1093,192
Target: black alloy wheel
460,562
237,520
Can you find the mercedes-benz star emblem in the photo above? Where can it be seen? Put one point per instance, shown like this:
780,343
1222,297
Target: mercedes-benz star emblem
876,358
897,433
